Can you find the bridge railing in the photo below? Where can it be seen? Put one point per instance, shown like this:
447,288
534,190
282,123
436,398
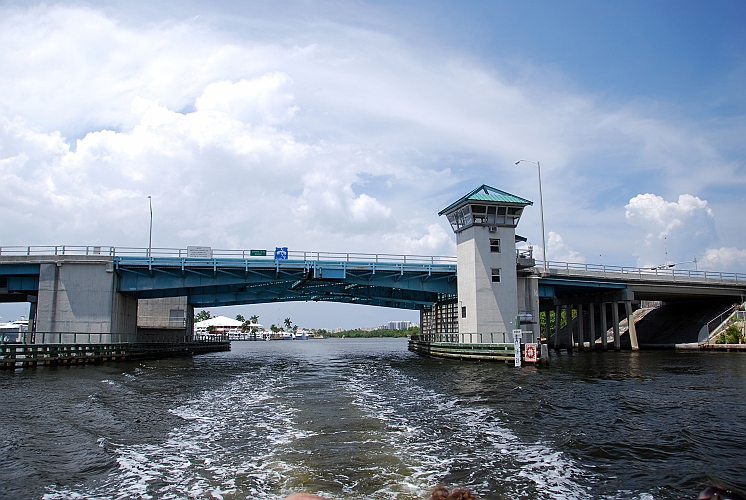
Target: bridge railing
716,323
182,253
555,267
645,273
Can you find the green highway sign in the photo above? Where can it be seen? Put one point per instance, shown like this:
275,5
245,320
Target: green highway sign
258,253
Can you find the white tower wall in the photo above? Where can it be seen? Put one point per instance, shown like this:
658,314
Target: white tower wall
490,307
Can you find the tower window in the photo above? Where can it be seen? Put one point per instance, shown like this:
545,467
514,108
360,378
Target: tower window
496,275
463,311
495,245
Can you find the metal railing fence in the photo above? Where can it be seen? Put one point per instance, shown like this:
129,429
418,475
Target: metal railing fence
182,253
471,338
46,338
642,273
554,267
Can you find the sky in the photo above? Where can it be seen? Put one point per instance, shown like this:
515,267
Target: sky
347,126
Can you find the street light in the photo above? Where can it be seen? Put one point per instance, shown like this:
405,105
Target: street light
150,237
541,209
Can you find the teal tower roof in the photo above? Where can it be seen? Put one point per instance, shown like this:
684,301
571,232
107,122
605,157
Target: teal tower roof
488,194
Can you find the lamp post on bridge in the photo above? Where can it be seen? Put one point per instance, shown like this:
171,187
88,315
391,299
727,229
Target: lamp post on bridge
150,235
541,209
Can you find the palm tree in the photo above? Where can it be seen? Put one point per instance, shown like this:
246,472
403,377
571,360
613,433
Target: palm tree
288,324
239,317
254,330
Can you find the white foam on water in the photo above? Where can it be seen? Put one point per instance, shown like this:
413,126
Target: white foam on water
203,458
474,440
233,439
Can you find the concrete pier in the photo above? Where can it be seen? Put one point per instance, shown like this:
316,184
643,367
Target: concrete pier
78,294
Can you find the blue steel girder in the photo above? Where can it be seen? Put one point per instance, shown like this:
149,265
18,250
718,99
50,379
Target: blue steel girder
245,281
213,296
335,292
552,287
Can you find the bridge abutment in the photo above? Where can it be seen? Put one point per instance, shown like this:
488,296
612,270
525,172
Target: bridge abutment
169,320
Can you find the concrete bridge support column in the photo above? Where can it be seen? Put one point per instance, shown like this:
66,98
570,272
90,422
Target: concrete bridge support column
631,325
581,332
570,329
29,335
79,297
615,320
604,328
592,318
557,315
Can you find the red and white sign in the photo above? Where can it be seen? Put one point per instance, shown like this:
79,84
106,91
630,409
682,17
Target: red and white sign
529,355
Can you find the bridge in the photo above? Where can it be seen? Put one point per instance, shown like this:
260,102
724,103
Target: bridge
112,292
564,279
94,289
231,277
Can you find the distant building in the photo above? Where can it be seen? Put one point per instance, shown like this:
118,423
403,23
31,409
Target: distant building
399,325
221,325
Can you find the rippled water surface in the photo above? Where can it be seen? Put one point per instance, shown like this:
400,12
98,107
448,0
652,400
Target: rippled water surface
359,418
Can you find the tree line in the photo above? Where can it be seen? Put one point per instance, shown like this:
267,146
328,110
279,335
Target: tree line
248,325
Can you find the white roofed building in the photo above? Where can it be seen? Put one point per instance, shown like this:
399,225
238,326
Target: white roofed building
222,325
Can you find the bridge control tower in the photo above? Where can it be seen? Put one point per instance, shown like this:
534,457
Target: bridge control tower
491,295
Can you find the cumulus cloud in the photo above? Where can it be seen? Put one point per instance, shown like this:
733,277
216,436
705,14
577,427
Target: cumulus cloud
559,251
663,218
265,100
328,202
678,229
214,178
724,259
332,139
436,238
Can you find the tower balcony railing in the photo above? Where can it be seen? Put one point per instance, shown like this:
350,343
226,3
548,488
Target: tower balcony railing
524,257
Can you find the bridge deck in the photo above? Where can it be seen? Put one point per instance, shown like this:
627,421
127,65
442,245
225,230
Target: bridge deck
406,281
226,281
646,283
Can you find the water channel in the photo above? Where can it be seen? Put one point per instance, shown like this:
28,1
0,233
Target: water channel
364,418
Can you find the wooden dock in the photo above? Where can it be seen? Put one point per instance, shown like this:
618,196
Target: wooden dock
14,356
